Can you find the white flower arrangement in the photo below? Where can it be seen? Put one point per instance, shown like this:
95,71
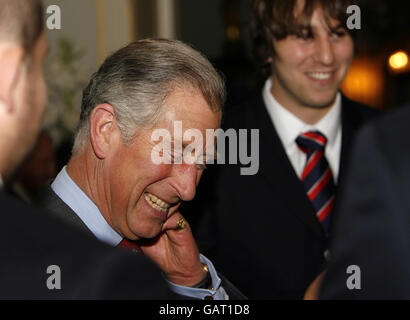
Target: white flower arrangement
66,80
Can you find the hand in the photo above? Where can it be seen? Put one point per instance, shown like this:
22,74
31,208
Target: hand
176,253
312,293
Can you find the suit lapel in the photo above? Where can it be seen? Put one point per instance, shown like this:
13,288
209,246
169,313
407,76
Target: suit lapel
275,168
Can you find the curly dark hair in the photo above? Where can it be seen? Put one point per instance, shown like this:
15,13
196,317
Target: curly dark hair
275,19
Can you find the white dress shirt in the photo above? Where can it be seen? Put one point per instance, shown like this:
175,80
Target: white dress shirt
289,127
88,212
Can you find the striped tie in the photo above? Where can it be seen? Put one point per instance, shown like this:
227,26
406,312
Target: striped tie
317,176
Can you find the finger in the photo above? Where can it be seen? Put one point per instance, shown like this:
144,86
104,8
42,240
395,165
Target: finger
312,293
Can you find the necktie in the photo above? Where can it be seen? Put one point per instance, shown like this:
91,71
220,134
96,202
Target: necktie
130,245
317,176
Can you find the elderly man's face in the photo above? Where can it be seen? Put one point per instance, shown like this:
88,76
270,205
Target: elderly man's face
135,183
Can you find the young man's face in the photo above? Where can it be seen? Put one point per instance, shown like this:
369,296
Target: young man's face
308,70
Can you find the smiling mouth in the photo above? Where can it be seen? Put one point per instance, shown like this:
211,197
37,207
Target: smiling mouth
320,75
156,203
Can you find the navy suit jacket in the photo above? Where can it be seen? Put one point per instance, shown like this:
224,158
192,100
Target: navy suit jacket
31,241
262,230
372,227
49,200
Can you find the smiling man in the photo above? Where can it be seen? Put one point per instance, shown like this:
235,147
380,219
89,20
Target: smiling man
278,231
112,189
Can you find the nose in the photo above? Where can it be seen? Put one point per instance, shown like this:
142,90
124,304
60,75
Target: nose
185,180
324,53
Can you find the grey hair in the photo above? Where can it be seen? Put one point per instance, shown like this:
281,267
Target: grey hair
137,79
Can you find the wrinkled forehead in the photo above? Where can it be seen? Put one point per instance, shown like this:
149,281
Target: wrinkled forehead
187,104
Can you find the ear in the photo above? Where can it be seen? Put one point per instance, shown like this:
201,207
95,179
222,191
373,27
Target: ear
103,129
11,62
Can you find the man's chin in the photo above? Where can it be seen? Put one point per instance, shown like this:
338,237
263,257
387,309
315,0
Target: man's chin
147,233
322,103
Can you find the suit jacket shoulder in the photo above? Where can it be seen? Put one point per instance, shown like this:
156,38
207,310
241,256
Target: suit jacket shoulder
48,200
354,116
371,231
357,112
31,241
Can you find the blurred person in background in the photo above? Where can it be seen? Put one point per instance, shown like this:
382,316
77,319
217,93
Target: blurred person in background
370,245
30,241
37,168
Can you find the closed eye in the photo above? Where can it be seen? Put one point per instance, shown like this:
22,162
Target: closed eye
338,31
304,33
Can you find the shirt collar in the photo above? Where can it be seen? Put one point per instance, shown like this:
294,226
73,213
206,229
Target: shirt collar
86,210
289,127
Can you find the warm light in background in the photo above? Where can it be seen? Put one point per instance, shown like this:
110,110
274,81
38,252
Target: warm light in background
399,60
365,82
233,33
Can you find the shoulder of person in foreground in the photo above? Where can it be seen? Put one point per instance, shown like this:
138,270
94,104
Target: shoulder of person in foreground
370,252
45,259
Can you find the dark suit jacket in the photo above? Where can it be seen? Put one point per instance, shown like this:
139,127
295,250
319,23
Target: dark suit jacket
372,228
31,241
49,200
261,230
